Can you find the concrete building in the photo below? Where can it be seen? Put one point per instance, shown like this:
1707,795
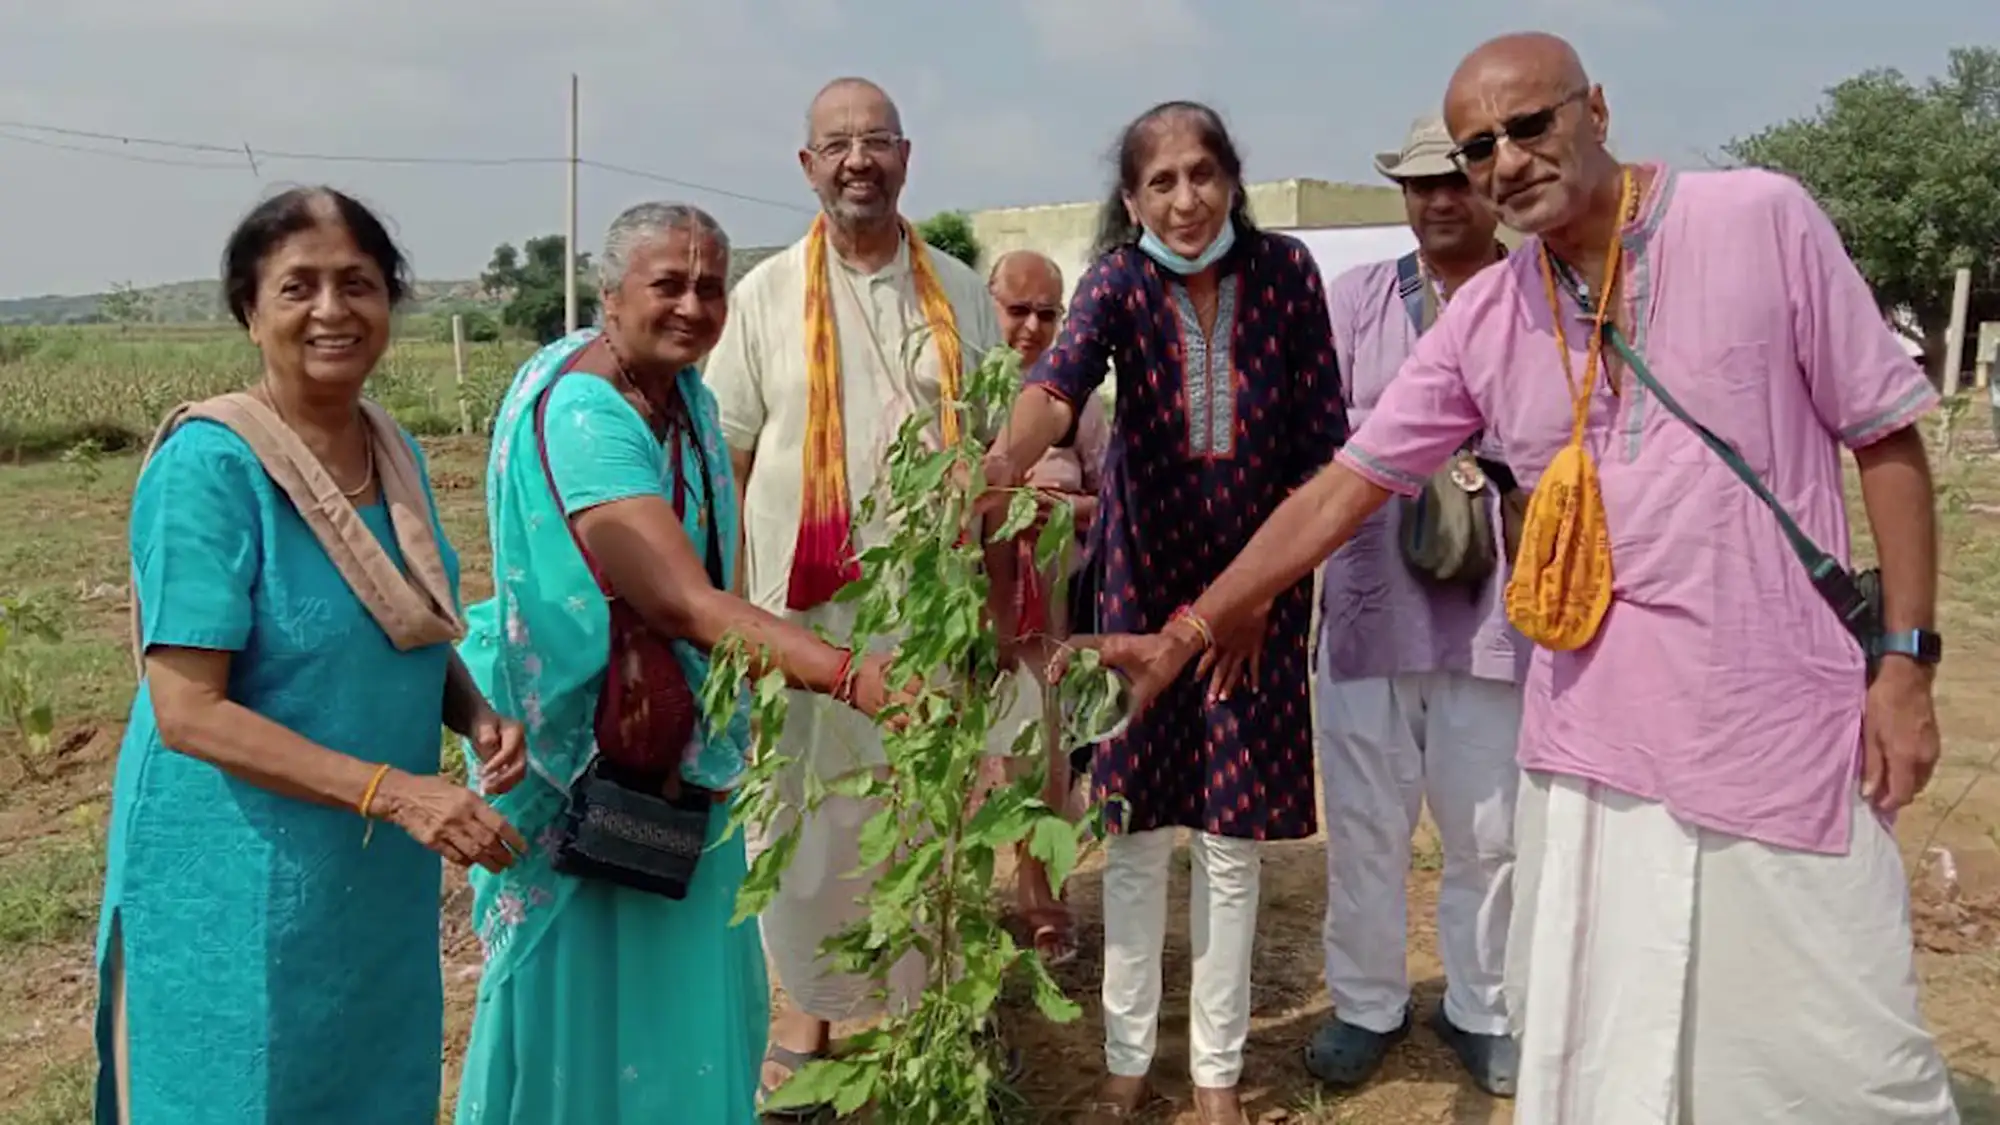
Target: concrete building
1065,231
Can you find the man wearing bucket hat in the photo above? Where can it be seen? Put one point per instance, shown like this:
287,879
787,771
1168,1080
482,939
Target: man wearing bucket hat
1418,677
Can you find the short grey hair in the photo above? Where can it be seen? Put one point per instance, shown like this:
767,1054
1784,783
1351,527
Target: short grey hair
642,223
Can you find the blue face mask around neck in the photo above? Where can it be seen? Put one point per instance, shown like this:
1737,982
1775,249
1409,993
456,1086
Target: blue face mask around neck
1160,252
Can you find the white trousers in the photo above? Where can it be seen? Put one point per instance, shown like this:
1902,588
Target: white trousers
1386,747
1668,975
1222,920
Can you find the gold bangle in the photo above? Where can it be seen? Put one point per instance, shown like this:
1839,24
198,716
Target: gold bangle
368,794
1187,616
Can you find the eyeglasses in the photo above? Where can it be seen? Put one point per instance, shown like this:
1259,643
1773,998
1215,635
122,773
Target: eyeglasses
1522,129
871,144
1047,314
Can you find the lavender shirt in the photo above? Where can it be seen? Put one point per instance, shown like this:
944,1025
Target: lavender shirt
1720,683
1378,619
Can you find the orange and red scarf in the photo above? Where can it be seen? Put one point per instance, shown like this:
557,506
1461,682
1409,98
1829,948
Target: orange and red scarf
825,559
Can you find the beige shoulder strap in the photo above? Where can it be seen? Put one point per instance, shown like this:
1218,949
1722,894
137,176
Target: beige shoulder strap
415,610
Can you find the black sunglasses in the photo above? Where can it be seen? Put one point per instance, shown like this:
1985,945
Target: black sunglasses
1522,128
1047,314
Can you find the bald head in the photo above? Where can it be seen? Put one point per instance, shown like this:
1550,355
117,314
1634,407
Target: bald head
1537,60
842,97
855,156
1530,129
1027,293
1024,270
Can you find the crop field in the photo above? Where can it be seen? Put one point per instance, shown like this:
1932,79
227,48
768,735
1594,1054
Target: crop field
106,387
71,399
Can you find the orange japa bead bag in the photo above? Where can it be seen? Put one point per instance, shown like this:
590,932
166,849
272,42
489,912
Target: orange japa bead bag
1560,588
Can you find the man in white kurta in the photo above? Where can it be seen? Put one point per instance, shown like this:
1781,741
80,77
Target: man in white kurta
856,159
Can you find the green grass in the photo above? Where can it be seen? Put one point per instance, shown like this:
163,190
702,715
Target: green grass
49,889
64,1096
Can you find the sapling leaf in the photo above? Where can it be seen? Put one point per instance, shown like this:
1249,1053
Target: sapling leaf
1054,843
1020,513
1057,534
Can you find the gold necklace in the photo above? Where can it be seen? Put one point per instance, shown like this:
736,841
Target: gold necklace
263,391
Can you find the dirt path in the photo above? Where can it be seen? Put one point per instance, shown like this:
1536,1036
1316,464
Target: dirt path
49,868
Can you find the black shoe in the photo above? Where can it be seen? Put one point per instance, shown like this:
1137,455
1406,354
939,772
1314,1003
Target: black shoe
1345,1056
1493,1061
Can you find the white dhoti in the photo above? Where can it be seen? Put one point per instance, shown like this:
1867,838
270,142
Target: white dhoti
1386,747
825,889
1668,975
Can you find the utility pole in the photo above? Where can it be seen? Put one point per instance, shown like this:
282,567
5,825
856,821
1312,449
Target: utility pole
569,222
1954,337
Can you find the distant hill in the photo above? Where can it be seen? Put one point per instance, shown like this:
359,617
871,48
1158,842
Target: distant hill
200,302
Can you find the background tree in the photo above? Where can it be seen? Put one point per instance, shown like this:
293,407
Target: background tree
1911,177
951,232
532,280
124,305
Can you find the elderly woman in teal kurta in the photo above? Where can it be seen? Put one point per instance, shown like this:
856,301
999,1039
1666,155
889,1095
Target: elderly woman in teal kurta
265,953
602,1005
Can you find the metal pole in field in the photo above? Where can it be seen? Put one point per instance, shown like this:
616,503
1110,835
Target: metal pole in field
569,221
458,369
1954,337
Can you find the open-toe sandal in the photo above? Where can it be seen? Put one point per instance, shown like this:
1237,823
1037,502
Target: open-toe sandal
793,1062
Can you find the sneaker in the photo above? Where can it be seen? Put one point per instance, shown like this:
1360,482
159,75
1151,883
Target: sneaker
1345,1056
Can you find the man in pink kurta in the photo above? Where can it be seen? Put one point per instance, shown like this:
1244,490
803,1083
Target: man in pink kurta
1719,690
1711,917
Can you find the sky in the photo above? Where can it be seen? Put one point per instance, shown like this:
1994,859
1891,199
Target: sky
1006,101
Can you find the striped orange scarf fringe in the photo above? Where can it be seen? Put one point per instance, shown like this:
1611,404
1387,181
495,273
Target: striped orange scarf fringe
824,560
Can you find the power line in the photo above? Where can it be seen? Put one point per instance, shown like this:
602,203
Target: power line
246,155
692,186
39,142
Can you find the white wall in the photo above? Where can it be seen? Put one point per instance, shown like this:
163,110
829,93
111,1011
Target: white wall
1339,249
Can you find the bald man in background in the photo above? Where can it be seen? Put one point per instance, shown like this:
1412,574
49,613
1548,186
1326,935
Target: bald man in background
1027,289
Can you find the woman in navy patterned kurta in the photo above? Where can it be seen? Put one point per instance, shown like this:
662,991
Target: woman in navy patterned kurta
1213,427
1209,436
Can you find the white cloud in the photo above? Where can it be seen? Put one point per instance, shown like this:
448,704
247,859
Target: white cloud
1095,31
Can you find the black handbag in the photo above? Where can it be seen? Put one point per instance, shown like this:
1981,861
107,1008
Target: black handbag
632,835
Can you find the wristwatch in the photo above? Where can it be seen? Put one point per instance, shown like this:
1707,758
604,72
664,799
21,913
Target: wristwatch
1920,645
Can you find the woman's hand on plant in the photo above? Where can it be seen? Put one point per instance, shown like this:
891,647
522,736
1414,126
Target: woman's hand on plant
872,694
449,819
501,745
999,477
1150,662
1236,656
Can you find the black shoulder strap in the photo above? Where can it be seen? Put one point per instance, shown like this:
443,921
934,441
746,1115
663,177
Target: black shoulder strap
1834,582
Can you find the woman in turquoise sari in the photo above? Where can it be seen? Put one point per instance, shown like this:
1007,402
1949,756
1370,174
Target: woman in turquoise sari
603,1005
